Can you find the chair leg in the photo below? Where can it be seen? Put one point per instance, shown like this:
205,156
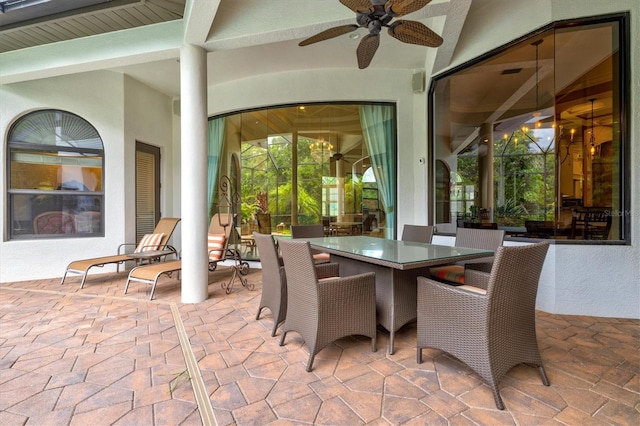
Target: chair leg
310,362
275,327
543,375
63,277
374,344
498,399
153,288
419,355
259,311
284,333
126,286
84,277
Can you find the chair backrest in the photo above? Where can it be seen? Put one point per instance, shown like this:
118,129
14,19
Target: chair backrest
486,239
367,223
272,271
54,222
307,231
166,226
417,233
513,285
302,281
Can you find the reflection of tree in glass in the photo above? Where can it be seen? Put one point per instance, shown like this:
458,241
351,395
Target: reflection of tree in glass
522,180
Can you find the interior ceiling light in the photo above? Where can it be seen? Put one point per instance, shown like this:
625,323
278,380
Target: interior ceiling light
592,149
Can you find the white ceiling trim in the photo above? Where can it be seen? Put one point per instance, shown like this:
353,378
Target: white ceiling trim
153,42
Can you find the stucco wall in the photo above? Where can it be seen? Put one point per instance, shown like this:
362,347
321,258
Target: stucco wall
121,113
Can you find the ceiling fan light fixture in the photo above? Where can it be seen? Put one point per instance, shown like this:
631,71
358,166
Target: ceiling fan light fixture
374,15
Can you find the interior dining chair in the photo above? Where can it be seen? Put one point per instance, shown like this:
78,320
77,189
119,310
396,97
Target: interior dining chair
322,311
54,222
311,231
417,233
274,280
484,239
488,323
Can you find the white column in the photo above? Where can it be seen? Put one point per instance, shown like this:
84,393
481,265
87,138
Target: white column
340,183
193,135
485,170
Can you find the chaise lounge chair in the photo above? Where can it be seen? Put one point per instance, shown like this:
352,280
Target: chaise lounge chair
159,240
217,240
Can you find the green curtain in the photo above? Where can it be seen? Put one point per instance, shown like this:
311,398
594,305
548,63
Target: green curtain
215,148
378,129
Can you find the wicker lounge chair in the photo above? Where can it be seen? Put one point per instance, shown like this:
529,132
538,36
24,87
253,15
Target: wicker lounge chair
417,233
326,310
274,281
489,323
165,226
487,239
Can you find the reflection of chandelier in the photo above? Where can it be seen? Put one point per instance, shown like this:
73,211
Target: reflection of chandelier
321,150
592,149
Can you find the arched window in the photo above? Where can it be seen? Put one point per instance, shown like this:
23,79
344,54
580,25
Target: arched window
55,163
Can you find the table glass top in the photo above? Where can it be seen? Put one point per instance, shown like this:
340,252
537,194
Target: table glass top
401,252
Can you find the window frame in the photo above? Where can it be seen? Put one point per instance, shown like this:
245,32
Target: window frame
23,147
623,76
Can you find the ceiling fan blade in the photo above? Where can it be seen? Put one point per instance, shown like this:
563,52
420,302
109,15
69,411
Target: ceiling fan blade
366,49
414,32
358,6
403,7
327,34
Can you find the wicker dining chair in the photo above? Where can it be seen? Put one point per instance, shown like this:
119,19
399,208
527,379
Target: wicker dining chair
311,231
274,280
322,311
417,233
488,323
485,239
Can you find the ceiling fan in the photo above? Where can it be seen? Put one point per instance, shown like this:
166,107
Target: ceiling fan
376,14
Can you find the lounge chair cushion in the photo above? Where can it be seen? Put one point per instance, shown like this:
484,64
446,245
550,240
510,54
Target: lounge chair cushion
216,245
149,242
451,273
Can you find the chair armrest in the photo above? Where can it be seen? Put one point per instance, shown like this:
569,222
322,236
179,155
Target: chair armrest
349,288
475,278
326,270
124,245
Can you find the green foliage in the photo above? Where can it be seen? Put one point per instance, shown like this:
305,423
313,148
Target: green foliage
280,201
268,170
249,209
523,174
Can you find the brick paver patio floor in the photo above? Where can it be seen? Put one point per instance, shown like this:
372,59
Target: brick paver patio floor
98,357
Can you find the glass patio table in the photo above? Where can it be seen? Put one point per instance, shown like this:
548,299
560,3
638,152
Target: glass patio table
397,265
